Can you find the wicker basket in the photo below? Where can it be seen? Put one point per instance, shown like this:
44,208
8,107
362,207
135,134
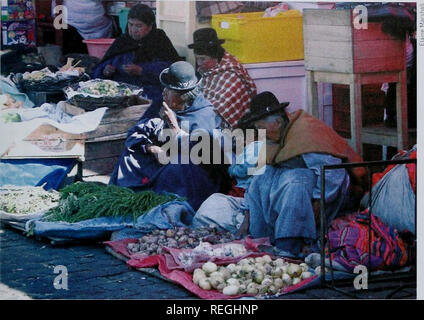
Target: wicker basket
89,103
48,84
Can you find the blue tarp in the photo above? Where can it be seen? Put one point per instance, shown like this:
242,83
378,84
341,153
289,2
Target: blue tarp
169,215
35,172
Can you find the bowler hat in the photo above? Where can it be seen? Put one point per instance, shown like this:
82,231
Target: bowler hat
205,38
261,106
180,76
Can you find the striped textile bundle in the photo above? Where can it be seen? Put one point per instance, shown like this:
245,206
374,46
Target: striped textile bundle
350,244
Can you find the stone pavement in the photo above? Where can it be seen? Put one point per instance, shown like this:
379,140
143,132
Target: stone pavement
27,272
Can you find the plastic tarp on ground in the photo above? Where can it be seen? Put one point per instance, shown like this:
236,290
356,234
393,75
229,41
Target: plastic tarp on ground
169,215
48,173
171,270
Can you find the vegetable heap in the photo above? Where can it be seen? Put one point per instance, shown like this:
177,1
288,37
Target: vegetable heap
206,249
105,88
24,200
181,238
253,276
87,200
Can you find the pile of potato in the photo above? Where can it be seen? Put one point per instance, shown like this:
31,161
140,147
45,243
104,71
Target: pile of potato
254,276
181,238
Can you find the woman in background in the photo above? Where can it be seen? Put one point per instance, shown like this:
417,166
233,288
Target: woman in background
139,56
225,82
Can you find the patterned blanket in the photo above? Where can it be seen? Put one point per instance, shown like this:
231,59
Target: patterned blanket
349,243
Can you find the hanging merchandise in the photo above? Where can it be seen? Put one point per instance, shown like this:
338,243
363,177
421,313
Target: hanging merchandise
18,33
17,23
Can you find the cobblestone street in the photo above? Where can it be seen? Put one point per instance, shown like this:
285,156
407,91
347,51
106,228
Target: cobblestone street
27,272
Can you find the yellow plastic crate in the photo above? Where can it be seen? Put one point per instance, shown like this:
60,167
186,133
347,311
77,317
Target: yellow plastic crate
252,38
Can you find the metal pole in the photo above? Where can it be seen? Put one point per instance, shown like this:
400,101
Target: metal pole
323,224
369,222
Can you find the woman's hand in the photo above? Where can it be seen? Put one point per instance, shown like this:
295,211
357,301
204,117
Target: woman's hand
132,69
169,116
155,150
109,70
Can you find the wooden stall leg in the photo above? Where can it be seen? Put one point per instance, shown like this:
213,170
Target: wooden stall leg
78,177
356,113
402,112
312,94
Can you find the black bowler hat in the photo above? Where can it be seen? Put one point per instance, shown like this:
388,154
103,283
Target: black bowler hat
205,38
261,106
180,76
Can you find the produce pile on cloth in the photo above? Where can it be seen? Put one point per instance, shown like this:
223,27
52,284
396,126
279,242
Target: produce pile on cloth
83,210
251,276
238,266
26,200
182,238
101,88
87,200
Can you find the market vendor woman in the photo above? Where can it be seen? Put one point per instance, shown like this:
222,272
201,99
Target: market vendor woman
225,82
185,111
138,56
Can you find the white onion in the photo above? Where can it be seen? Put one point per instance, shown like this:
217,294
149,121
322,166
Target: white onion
205,284
230,290
278,283
209,267
304,267
306,275
233,282
252,288
294,270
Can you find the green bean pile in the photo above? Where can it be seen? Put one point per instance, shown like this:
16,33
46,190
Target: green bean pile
87,200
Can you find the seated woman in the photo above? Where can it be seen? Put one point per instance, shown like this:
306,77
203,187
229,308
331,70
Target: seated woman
140,166
138,56
225,82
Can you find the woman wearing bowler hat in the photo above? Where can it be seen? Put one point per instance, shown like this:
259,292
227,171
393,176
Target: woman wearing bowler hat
140,167
282,202
225,82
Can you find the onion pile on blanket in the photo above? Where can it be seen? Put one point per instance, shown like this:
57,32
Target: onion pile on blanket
253,276
87,200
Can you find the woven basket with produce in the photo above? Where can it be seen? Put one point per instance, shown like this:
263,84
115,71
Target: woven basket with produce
98,93
47,81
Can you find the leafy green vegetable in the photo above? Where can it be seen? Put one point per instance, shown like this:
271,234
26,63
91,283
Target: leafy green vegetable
87,200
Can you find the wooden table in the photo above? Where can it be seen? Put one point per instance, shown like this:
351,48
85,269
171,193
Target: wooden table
337,52
48,142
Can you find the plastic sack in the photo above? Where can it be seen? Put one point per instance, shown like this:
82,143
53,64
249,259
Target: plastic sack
393,200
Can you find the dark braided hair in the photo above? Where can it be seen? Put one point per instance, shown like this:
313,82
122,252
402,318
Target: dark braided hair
214,51
143,13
